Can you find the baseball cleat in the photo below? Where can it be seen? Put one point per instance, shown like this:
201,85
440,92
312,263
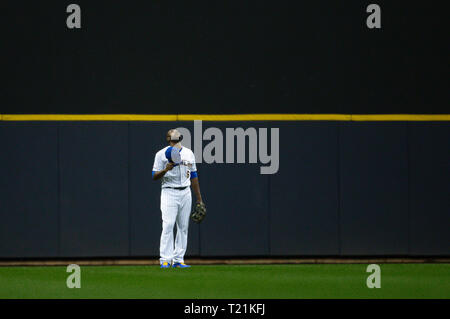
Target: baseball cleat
165,265
180,265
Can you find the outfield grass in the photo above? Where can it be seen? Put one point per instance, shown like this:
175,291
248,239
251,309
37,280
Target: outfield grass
229,281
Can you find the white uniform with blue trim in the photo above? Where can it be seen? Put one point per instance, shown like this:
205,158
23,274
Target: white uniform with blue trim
175,203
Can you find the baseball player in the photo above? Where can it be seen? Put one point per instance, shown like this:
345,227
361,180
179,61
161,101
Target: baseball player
175,166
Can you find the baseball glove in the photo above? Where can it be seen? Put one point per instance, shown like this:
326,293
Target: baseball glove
199,212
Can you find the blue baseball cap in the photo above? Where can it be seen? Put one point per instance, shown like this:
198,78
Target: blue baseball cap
173,153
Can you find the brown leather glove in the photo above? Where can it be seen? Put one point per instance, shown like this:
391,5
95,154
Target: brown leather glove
199,212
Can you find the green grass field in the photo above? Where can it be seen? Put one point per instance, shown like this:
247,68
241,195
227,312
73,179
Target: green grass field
229,281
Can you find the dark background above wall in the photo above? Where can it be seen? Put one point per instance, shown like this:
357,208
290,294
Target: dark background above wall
160,57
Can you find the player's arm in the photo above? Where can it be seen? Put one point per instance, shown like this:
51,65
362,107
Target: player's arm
158,167
196,188
158,174
194,181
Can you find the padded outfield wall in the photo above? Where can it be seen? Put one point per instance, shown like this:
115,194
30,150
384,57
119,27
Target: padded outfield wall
343,188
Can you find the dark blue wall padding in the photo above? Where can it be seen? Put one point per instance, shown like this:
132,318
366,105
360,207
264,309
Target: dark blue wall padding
94,189
374,189
429,147
304,193
84,189
28,190
237,199
238,210
145,140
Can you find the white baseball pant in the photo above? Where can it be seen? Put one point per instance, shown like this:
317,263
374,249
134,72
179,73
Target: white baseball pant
175,209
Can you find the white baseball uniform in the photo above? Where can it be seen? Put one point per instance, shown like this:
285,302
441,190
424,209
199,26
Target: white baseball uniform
176,203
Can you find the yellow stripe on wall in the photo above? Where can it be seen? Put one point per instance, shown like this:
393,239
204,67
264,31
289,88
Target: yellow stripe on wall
264,117
400,117
89,117
225,117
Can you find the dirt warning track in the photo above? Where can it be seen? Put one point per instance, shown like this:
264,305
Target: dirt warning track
220,261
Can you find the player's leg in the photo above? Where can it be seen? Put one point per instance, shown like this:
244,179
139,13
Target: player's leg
169,212
182,226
